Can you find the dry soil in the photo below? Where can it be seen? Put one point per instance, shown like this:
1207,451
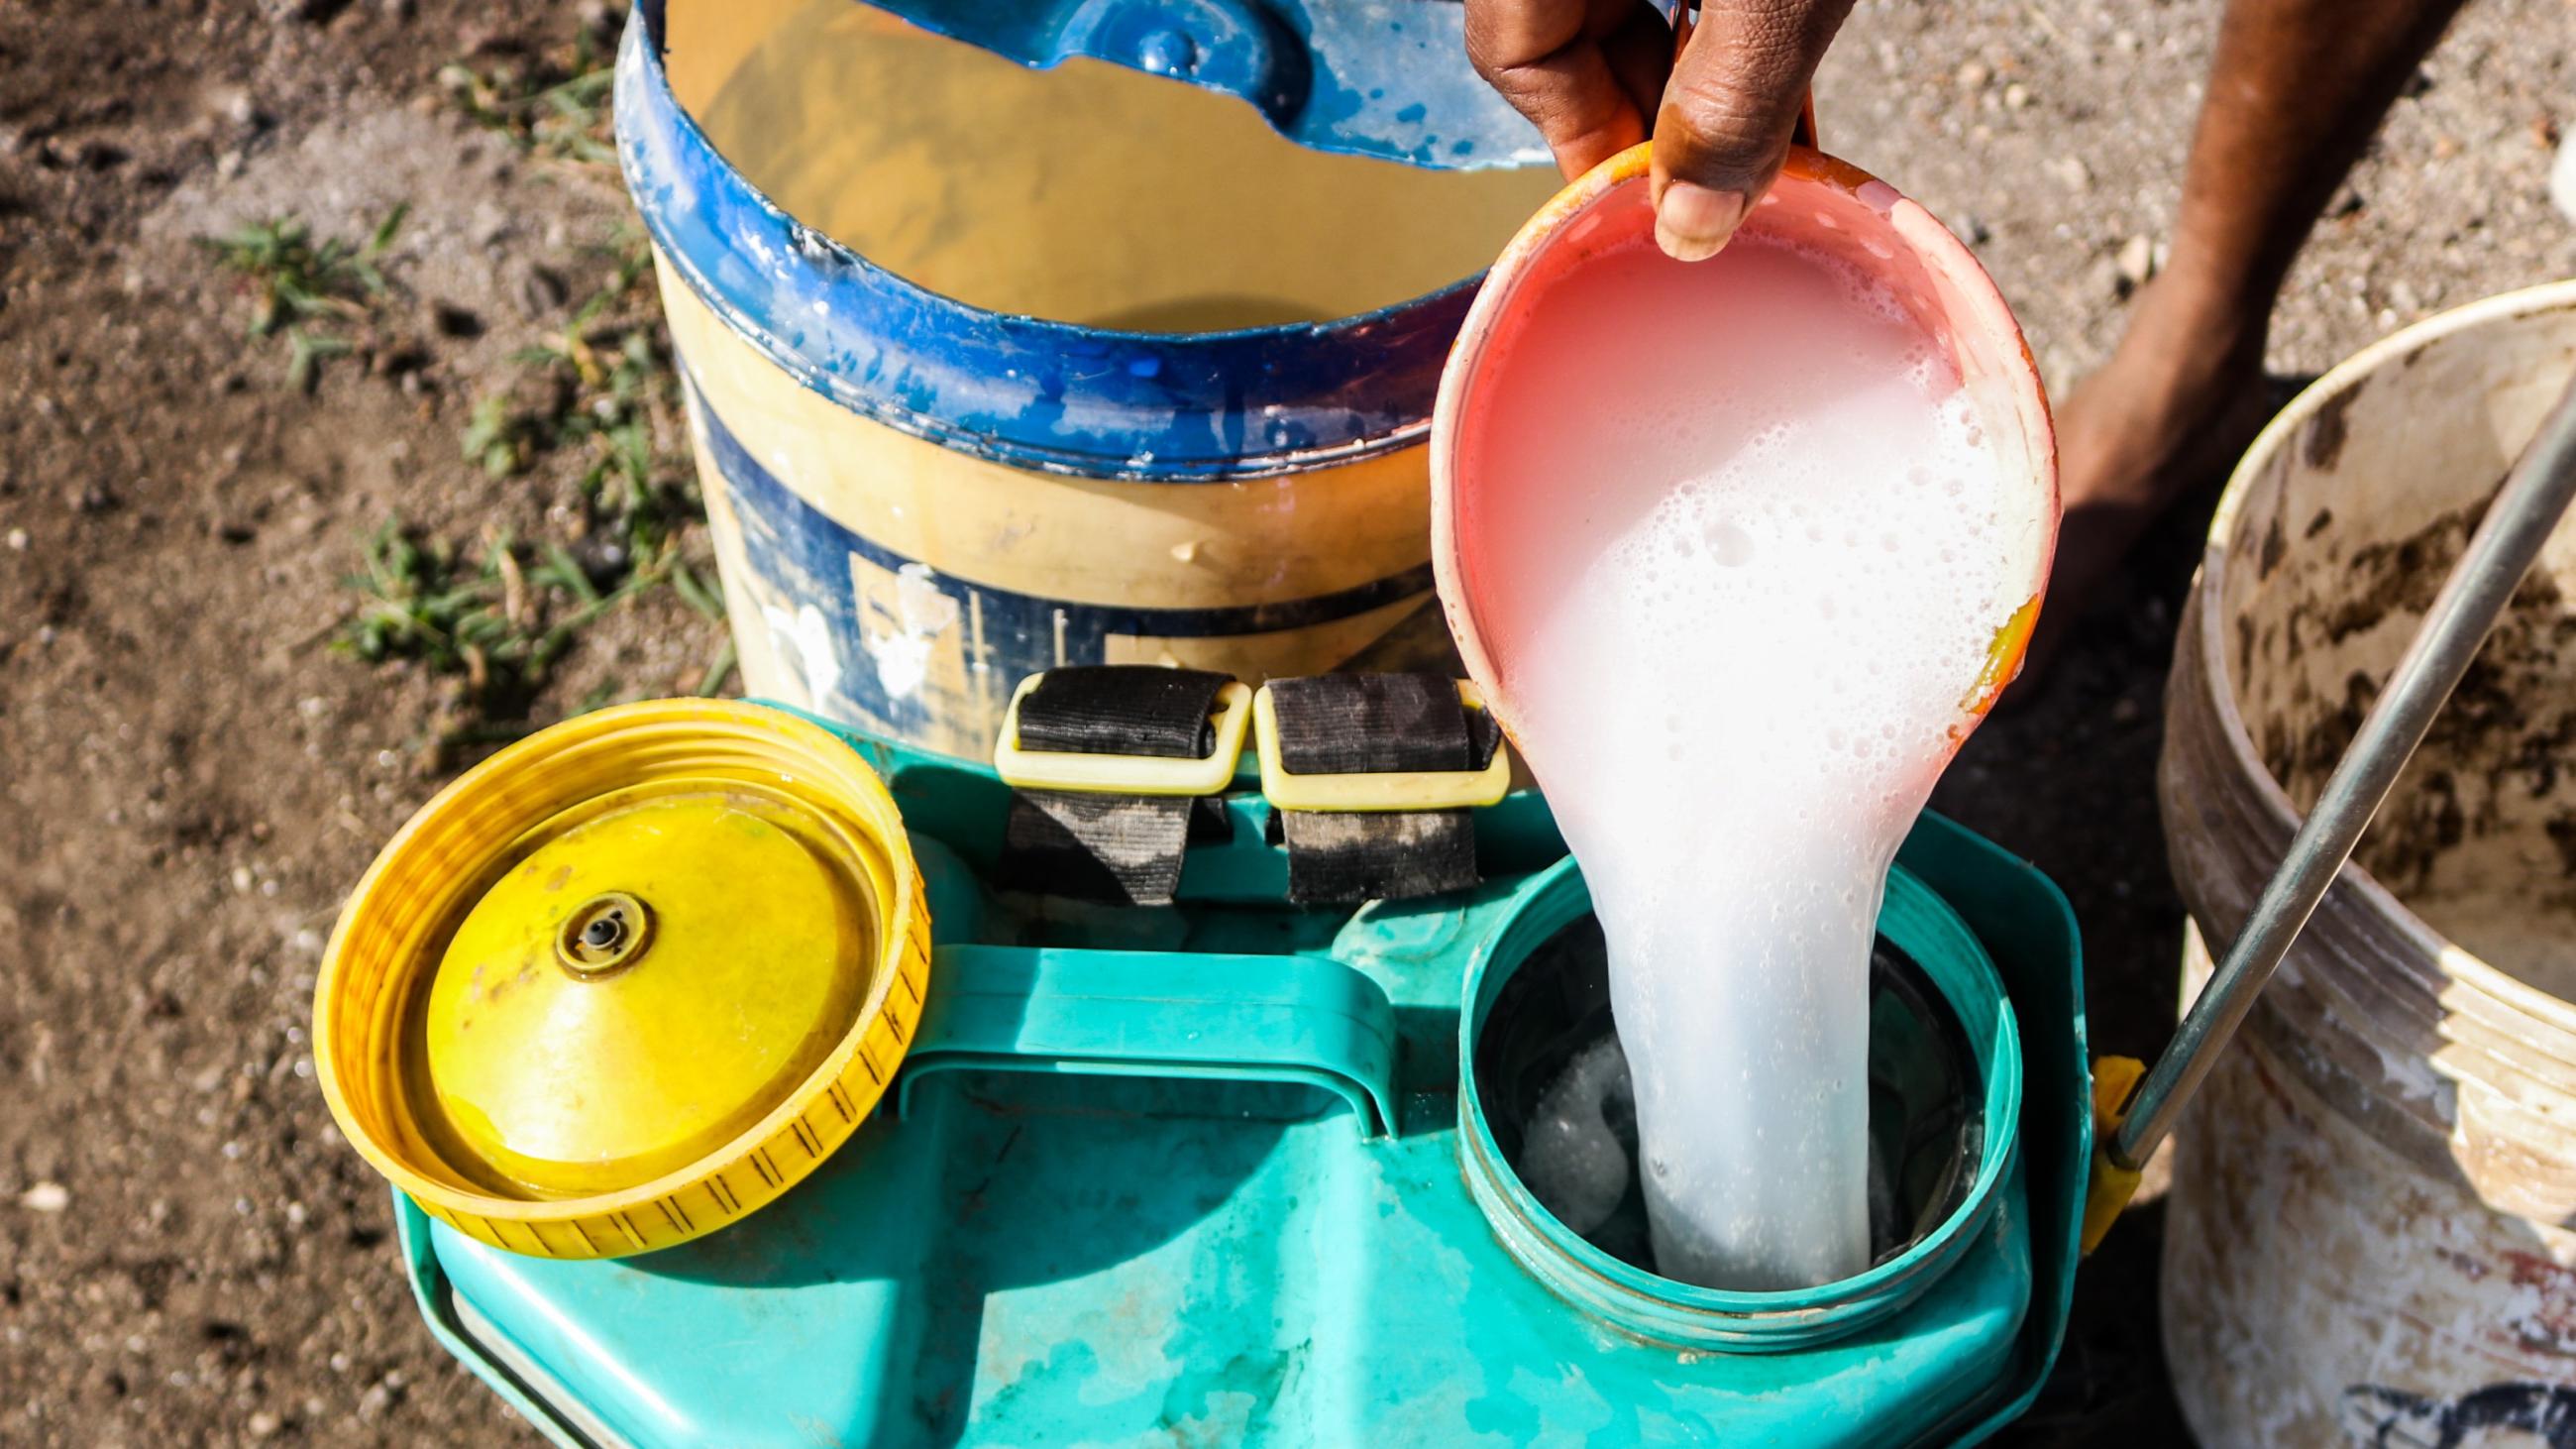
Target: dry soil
190,779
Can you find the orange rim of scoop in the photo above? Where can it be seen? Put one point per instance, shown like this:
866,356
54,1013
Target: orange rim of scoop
1981,306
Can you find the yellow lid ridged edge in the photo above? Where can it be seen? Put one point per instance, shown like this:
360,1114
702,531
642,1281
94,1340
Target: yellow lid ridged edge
394,928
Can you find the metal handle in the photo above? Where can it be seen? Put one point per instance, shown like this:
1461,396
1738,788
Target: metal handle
2518,523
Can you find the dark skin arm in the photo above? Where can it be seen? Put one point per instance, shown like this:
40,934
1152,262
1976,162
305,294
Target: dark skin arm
2295,91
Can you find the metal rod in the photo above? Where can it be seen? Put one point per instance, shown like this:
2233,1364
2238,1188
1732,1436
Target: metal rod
2519,521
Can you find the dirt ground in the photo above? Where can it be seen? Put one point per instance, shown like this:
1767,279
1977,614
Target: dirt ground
192,776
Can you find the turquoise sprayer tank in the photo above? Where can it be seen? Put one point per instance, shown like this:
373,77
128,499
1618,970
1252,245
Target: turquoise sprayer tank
1237,1171
736,1090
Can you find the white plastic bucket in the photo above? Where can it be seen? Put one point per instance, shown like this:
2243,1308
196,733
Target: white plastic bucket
2368,1238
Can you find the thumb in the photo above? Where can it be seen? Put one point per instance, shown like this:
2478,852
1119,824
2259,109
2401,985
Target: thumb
1727,113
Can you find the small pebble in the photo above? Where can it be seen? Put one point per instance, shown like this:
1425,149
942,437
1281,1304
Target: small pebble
2137,260
18,540
2562,178
2016,96
264,1425
46,1197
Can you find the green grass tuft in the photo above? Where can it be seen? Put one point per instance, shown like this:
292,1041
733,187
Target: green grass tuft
298,282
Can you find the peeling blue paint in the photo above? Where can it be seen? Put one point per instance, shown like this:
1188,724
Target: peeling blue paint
1319,70
1053,396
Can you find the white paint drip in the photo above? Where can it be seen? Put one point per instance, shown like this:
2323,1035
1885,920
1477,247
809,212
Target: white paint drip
922,613
804,640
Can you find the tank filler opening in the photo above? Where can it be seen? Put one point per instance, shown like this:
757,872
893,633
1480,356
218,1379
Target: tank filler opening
1554,1086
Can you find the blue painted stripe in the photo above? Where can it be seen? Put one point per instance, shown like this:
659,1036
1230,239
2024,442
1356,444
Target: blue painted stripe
1382,78
1040,395
800,555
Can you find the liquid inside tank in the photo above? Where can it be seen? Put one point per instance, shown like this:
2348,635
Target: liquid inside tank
1553,1085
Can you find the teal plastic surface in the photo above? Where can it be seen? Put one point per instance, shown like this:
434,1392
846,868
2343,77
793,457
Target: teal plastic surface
1214,1194
1289,1019
1957,967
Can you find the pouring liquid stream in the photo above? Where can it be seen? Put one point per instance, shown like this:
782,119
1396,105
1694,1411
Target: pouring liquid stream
1761,559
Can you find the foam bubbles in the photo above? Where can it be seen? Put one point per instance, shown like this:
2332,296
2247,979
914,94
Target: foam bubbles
1571,1158
1762,560
1730,545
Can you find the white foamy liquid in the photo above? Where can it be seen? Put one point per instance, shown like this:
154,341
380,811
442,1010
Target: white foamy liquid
1571,1160
1765,554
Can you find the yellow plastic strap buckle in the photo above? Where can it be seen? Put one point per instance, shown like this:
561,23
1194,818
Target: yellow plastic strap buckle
1092,774
1388,791
2110,1186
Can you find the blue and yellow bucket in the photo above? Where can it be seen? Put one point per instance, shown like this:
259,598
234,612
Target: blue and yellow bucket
1005,351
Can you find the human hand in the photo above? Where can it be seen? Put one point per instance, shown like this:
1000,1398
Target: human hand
1588,74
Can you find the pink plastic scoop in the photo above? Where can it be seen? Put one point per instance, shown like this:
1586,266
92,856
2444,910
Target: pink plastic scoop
1740,551
1819,203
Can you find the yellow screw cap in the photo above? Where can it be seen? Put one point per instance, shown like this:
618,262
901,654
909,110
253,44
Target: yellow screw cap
627,980
640,989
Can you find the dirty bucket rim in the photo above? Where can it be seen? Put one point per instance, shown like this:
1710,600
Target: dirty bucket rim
1914,225
1664,1308
1109,422
2458,962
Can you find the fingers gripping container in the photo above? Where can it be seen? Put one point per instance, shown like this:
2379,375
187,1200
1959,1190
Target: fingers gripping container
1226,1171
